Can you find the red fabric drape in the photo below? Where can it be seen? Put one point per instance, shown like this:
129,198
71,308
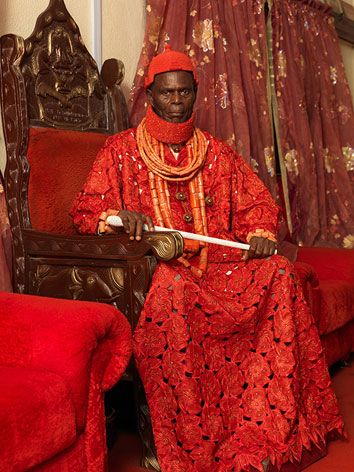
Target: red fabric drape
5,244
316,122
227,42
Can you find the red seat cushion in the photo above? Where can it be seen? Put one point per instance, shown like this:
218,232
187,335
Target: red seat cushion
37,417
333,305
60,161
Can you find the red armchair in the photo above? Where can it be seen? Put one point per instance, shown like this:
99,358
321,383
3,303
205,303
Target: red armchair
57,358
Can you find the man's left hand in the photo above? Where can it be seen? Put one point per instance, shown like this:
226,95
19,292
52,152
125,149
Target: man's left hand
259,248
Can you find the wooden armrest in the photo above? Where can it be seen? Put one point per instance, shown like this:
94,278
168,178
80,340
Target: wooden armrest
164,246
108,269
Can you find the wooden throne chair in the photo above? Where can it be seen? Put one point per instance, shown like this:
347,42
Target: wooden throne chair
57,111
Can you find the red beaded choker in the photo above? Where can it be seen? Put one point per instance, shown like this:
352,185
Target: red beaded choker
166,132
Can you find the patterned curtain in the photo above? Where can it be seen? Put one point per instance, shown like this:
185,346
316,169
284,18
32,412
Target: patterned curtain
227,42
310,99
5,245
315,123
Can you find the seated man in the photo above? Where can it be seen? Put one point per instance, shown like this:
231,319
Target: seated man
226,347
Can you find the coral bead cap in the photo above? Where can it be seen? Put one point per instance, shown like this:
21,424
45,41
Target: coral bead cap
169,61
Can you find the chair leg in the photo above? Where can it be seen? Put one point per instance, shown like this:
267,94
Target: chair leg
149,456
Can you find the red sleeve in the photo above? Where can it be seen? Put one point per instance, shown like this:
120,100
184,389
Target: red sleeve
102,189
253,206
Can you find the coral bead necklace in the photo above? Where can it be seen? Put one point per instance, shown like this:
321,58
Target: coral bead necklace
160,173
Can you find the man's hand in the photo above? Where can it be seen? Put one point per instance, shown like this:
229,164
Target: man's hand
133,223
259,248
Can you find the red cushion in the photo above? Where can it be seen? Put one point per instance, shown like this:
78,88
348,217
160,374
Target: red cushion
333,305
37,417
60,161
329,263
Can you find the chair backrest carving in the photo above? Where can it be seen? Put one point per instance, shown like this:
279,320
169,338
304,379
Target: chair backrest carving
63,86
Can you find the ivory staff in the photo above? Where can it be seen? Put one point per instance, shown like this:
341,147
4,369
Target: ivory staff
116,221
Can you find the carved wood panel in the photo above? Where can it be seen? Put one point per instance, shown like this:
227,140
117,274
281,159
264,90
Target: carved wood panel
63,85
15,126
75,279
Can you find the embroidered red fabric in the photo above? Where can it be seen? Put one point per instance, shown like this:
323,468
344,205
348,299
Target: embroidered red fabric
231,363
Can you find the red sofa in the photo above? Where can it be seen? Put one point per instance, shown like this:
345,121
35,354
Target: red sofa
57,358
327,275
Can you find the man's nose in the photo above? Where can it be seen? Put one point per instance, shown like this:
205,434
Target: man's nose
176,97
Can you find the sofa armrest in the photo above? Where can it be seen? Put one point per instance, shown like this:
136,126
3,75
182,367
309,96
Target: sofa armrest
329,263
306,273
80,341
308,279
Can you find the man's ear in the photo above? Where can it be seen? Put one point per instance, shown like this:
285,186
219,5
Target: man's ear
149,96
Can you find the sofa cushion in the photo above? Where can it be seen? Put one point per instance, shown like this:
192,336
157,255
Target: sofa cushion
60,161
37,417
333,305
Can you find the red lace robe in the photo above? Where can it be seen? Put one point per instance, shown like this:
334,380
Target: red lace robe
231,363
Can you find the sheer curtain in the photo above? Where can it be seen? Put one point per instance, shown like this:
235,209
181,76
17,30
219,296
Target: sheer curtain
315,122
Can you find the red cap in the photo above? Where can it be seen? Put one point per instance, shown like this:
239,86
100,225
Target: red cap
169,61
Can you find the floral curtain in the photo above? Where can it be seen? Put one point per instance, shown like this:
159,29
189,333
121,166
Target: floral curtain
315,122
5,244
227,42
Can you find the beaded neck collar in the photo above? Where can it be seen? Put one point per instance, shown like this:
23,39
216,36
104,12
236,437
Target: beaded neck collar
166,132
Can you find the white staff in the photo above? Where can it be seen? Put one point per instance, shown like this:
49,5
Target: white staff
116,221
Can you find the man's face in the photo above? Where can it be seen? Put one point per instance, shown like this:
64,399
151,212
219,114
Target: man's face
172,95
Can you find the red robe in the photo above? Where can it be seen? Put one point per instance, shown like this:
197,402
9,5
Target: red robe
232,363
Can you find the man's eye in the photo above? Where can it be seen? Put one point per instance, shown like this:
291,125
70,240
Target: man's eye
185,92
165,93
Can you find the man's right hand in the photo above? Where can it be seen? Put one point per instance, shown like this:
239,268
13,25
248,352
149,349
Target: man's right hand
133,222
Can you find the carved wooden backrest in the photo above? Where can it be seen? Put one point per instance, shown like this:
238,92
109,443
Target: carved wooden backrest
63,86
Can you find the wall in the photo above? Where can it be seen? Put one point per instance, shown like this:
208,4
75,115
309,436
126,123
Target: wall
348,58
19,16
123,24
